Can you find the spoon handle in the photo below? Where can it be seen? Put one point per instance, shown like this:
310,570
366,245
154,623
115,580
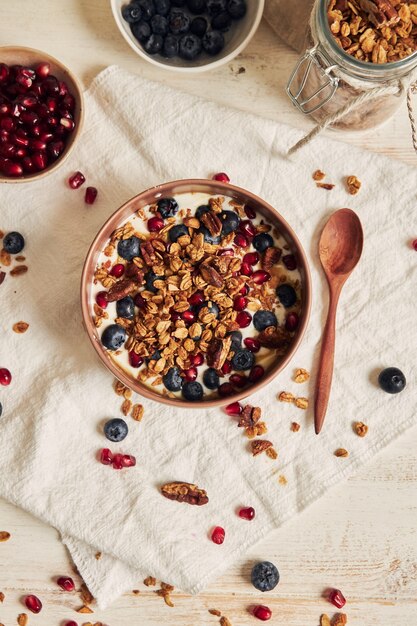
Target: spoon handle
325,371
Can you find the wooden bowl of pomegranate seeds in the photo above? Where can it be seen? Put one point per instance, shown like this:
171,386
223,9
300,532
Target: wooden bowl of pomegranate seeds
41,113
196,293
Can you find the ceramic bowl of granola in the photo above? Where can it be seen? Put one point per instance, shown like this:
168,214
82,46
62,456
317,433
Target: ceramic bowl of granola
195,292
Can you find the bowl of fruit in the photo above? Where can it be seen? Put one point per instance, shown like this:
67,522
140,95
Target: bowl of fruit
195,292
41,113
187,35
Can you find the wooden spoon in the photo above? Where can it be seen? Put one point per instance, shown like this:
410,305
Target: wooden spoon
340,249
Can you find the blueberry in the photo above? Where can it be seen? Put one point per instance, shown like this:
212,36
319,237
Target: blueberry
199,27
113,337
155,356
236,340
264,319
141,31
236,8
159,25
221,21
13,243
128,248
189,47
213,42
179,22
170,48
172,379
154,44
148,9
216,6
177,3
203,208
265,576
212,308
286,294
211,378
178,230
162,7
196,6
262,241
116,429
132,12
208,237
392,380
243,360
192,391
168,207
150,277
230,222
125,308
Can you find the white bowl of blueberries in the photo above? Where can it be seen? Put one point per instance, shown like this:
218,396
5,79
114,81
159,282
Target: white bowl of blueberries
187,35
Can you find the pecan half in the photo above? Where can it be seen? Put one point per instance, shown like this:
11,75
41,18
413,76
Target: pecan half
260,445
133,272
184,492
18,270
270,257
341,452
339,619
275,338
20,327
361,429
218,351
211,276
249,416
4,535
212,222
120,290
380,12
148,252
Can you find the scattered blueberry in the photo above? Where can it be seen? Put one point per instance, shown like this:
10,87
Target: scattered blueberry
192,391
154,44
128,248
132,12
211,378
113,337
198,27
178,230
243,360
170,48
265,576
216,6
264,319
13,243
203,208
286,294
172,379
213,42
179,22
196,6
189,47
392,380
116,429
148,9
125,308
208,237
162,7
168,207
150,277
236,8
212,308
221,21
159,25
262,241
141,30
230,222
236,340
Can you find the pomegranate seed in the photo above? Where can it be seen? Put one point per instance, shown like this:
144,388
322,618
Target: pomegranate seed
244,291
256,373
24,81
226,389
248,513
55,148
135,360
62,88
414,244
101,299
262,612
291,322
46,137
217,536
21,153
238,380
33,604
260,277
10,168
197,360
27,72
155,224
240,303
21,141
40,160
247,228
243,319
117,270
128,460
240,240
337,598
226,252
43,69
190,374
90,195
66,583
37,144
29,117
252,258
106,456
51,85
222,177
52,121
28,101
67,124
252,344
289,261
246,269
68,102
175,316
227,367
118,462
7,150
196,298
71,623
4,72
250,212
7,123
52,104
234,409
76,180
140,301
27,165
188,317
5,377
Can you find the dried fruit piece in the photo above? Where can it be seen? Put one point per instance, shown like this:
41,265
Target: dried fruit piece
301,375
301,403
4,536
361,429
353,185
270,257
184,492
286,396
341,452
318,175
20,327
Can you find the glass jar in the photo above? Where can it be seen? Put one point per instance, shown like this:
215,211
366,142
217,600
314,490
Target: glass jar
326,80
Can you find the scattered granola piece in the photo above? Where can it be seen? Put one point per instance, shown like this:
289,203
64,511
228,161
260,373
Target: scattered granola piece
214,612
97,556
327,186
261,445
5,258
4,536
137,412
301,403
136,592
249,416
20,327
272,453
325,620
339,619
185,492
295,427
150,581
301,375
127,393
126,407
282,480
341,452
256,431
318,175
225,622
85,609
85,594
2,277
361,429
18,270
119,388
353,185
286,396
2,596
20,258
165,592
22,619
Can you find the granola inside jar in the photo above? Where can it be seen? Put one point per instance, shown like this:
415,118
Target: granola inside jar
361,57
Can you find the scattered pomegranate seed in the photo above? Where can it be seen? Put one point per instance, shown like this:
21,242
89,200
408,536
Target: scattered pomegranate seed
260,277
196,298
234,409
33,604
256,373
226,367
251,257
238,380
240,240
291,322
106,456
197,359
244,291
337,598
222,177
262,612
246,269
250,212
218,534
247,228
289,261
226,252
76,180
71,623
135,360
226,389
247,513
240,303
117,270
188,317
155,224
140,301
90,195
43,69
414,244
118,462
5,377
66,583
101,299
252,344
243,319
190,374
128,460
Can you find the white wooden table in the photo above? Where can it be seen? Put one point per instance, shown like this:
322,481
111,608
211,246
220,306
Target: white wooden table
362,537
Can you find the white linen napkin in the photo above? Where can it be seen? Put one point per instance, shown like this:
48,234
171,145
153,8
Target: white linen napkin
138,134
